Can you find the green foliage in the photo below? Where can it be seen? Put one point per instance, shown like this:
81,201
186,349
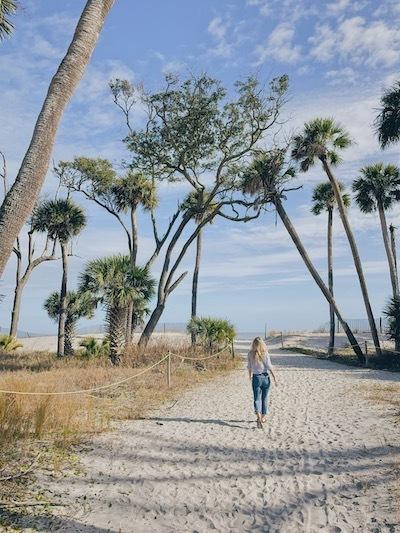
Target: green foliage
324,197
212,332
79,305
132,190
192,129
199,204
7,9
387,122
9,343
321,139
392,313
379,184
94,348
93,175
267,174
114,282
61,219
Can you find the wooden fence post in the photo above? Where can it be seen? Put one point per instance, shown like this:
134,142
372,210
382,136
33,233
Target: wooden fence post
169,370
366,353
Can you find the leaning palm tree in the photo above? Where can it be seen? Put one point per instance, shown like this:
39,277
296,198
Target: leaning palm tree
115,283
321,140
377,189
324,201
387,123
266,178
7,9
22,196
79,305
61,220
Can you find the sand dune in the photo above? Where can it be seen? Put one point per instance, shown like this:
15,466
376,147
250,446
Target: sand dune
326,461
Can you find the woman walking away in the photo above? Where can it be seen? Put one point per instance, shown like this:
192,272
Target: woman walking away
259,367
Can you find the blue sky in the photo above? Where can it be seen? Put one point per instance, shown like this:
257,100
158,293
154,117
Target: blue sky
338,55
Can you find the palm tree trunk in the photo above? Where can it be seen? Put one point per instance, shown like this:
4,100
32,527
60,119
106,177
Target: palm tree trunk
116,318
317,278
389,252
69,335
330,284
134,236
129,324
133,253
63,302
393,246
22,196
354,251
195,280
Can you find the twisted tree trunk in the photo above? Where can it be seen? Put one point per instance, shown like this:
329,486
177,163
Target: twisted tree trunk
22,196
317,278
354,251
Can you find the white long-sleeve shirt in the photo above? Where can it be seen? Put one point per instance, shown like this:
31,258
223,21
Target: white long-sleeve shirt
259,367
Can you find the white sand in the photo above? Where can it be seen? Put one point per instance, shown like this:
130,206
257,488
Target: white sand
326,460
49,343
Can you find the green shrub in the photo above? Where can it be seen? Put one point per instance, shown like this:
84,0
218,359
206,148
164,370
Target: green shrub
94,348
9,343
213,333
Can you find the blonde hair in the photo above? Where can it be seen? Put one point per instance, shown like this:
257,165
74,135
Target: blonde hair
258,349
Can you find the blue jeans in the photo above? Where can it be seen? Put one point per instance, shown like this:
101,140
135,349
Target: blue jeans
260,384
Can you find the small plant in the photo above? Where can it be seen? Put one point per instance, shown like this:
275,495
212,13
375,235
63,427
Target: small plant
9,343
94,348
392,313
212,332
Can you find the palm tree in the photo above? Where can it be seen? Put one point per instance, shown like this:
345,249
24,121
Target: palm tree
22,196
7,8
324,200
266,177
61,220
131,191
387,123
320,140
195,203
79,305
115,283
377,189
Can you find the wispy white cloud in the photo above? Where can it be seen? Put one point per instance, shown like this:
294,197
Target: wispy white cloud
279,46
359,41
218,29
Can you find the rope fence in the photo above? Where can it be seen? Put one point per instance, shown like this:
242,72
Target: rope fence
119,382
368,345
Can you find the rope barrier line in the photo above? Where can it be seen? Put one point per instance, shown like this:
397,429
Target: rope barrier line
109,385
199,358
360,345
85,391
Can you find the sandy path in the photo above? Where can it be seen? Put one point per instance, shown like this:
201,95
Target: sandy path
325,461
